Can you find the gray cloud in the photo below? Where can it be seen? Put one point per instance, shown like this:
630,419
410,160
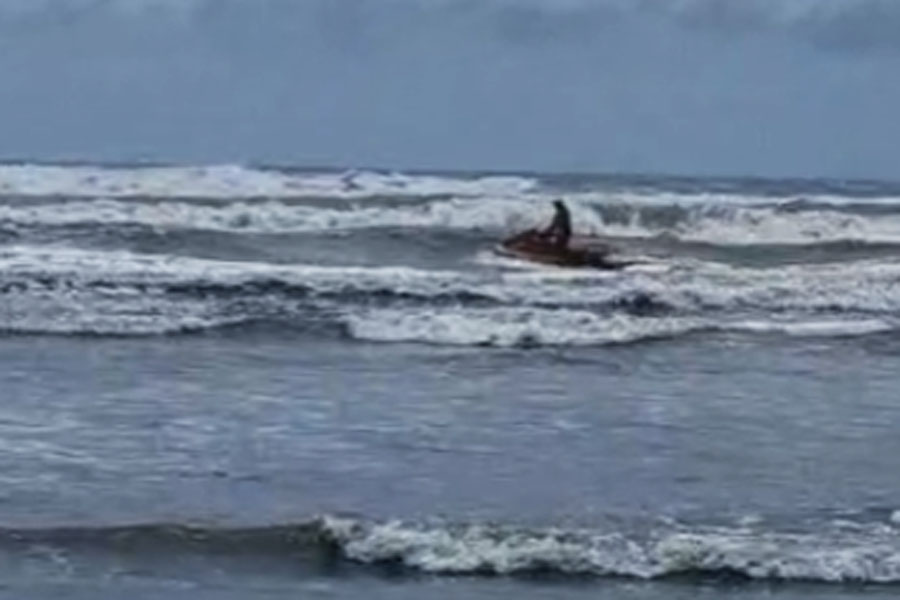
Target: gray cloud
836,24
667,85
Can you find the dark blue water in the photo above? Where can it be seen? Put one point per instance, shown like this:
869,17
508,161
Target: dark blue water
230,383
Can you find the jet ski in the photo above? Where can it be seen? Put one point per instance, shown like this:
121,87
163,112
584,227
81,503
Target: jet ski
532,246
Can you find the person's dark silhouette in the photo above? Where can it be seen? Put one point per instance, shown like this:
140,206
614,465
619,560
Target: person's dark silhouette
560,229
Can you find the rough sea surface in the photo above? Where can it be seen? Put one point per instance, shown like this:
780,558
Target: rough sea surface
235,382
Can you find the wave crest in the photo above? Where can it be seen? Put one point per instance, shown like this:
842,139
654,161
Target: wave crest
831,552
713,224
63,290
510,327
235,181
870,554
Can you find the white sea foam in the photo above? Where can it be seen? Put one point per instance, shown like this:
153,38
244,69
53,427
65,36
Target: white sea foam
503,308
660,197
813,327
236,181
511,327
871,285
119,313
868,554
278,217
233,181
716,224
122,267
729,225
477,549
508,327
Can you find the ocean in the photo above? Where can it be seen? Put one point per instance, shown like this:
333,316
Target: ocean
246,382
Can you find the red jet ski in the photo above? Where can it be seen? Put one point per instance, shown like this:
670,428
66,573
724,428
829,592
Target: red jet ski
531,245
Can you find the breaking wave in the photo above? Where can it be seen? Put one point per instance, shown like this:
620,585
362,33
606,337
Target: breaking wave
741,226
535,327
65,290
718,224
278,217
234,181
838,553
833,552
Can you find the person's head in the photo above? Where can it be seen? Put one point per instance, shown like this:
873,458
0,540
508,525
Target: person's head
559,204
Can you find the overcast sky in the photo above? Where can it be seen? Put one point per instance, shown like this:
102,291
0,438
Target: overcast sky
759,87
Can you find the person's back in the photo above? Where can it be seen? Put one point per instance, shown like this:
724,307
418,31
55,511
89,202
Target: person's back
560,229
